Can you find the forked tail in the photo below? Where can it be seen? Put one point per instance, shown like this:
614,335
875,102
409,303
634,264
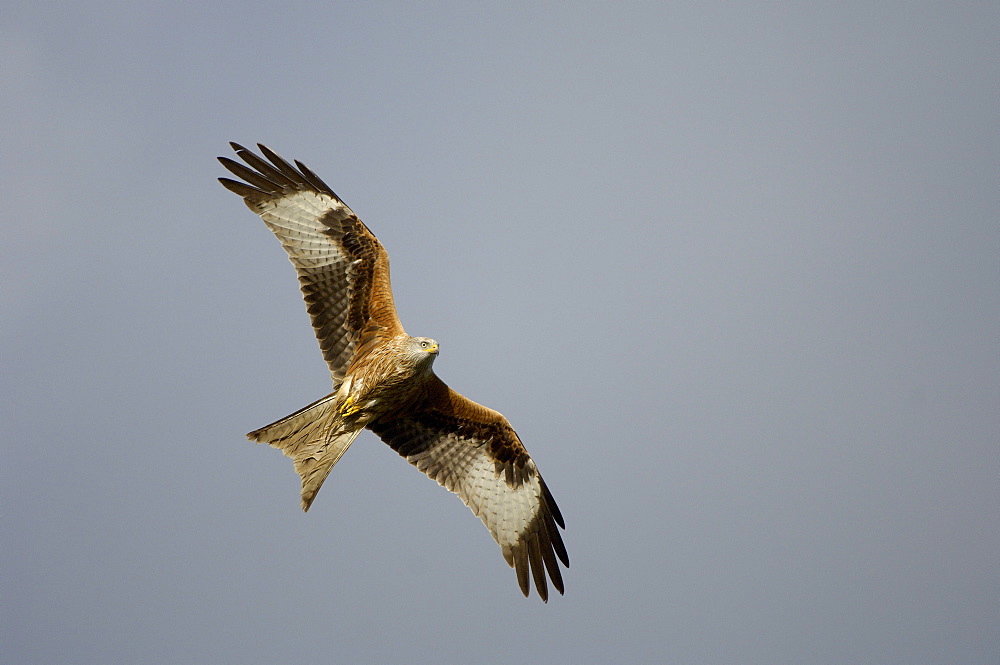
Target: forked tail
315,439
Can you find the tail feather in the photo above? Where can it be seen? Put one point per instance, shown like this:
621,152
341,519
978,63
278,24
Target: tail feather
315,438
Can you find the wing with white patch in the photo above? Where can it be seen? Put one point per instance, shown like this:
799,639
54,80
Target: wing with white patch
474,452
343,270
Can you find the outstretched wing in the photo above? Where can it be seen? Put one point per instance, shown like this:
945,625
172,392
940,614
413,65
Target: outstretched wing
474,452
343,269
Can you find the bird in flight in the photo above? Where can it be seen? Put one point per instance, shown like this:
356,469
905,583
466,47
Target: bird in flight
382,377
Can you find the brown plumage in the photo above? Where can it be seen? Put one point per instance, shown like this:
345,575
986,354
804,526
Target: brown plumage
382,377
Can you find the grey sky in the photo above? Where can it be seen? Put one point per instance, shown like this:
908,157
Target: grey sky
732,272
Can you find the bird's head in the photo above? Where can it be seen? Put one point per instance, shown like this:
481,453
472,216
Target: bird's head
423,349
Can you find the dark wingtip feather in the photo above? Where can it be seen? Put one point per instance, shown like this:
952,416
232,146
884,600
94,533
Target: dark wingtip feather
280,163
553,508
315,180
559,547
273,157
537,569
240,188
521,567
261,182
548,556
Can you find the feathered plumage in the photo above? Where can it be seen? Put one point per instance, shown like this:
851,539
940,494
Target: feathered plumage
382,377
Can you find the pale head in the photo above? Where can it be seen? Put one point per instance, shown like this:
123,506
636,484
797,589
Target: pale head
422,349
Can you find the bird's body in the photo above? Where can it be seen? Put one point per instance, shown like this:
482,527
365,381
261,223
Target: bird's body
383,378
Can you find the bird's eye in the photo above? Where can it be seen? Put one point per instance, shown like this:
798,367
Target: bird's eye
423,345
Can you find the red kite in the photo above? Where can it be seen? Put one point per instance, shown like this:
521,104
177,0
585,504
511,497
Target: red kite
382,377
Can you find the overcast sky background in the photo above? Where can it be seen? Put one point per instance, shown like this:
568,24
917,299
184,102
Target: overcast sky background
732,271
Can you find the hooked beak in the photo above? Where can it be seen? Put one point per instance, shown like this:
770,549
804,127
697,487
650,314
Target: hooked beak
433,349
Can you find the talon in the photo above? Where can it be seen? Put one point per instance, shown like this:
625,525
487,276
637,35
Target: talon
346,409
